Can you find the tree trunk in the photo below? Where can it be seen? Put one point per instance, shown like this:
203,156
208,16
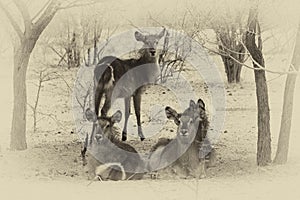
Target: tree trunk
18,130
241,58
228,64
264,134
287,111
22,51
232,68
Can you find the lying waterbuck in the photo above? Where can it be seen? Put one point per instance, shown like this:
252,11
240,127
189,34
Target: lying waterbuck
140,71
108,157
188,150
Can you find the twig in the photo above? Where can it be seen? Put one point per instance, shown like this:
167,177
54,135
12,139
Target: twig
13,22
78,3
131,23
40,11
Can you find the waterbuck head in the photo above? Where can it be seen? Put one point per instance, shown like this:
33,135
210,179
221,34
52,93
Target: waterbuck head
150,42
188,122
102,125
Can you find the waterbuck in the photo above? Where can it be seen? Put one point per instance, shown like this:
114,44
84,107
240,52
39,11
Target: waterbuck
140,71
188,150
108,157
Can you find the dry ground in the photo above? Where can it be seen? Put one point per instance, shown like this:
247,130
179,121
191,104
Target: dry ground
51,166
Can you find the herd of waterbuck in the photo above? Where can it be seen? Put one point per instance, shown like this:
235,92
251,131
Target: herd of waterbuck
109,157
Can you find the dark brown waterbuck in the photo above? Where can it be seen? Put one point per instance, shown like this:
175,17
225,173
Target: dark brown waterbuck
108,157
186,152
141,71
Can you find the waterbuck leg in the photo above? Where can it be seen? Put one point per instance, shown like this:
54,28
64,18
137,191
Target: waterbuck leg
202,169
107,103
98,97
137,108
127,113
84,149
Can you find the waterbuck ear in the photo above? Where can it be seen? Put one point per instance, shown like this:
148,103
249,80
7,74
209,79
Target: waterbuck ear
90,115
172,114
201,104
139,36
193,105
116,118
162,33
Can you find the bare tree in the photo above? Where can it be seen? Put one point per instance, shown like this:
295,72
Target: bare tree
44,76
81,41
72,51
229,27
253,35
287,111
27,38
92,33
230,38
249,45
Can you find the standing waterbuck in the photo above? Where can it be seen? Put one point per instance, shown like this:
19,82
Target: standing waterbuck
131,74
108,157
188,150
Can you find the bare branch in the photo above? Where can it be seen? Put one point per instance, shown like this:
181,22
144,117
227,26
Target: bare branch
12,22
54,118
46,17
154,20
30,106
132,24
84,97
259,67
78,3
41,10
252,59
61,56
25,14
64,80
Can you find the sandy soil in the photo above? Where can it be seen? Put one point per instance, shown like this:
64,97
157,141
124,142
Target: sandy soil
51,167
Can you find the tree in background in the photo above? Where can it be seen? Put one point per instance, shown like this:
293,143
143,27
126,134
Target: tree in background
287,111
23,47
78,41
229,25
253,43
230,38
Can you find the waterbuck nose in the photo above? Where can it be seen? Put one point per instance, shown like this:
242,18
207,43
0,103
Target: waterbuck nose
152,51
98,137
183,132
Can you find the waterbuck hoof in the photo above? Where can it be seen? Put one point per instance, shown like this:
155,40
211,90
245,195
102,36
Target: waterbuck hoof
84,162
142,138
202,176
124,137
154,175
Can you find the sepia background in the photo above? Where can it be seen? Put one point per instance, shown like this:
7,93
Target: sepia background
51,166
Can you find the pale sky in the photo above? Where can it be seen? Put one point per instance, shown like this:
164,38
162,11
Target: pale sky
121,11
